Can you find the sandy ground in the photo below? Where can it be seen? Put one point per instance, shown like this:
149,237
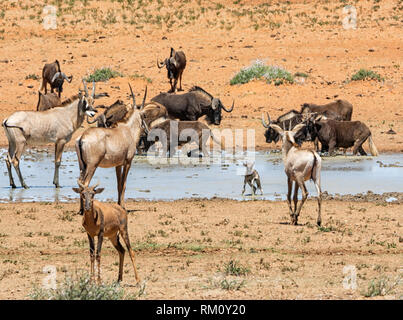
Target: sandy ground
182,248
219,39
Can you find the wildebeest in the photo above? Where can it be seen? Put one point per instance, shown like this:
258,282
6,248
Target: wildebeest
173,133
342,134
52,74
175,65
299,166
47,101
192,105
337,110
286,121
55,125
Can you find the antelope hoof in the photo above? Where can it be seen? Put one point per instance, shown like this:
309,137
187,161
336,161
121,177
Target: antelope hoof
319,223
25,186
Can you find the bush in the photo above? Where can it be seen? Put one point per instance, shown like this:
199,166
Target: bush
32,76
235,268
80,287
364,74
103,74
258,70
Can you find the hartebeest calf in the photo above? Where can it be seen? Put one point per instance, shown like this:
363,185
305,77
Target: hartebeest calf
55,125
299,166
104,220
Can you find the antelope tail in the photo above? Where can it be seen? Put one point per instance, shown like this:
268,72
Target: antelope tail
372,147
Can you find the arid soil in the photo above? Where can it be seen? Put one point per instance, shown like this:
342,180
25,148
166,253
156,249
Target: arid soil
183,247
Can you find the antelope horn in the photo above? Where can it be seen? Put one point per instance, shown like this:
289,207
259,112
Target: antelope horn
93,90
80,184
96,185
232,107
85,88
144,99
133,97
65,77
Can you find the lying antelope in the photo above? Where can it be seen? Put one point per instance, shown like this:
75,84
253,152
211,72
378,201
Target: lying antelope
55,125
104,220
111,147
299,166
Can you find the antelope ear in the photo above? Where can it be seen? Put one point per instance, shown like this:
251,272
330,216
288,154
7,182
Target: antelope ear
277,129
76,190
99,190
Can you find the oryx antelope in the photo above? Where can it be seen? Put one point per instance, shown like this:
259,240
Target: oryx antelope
175,65
110,147
104,220
55,125
52,74
299,166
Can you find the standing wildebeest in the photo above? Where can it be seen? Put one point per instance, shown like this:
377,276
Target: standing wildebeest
111,147
47,101
192,105
193,131
52,74
175,65
55,125
299,166
286,121
342,134
338,110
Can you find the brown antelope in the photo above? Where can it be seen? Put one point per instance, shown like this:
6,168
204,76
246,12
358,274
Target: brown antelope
55,125
104,220
299,166
111,147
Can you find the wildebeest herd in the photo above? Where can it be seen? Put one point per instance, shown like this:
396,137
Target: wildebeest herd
123,130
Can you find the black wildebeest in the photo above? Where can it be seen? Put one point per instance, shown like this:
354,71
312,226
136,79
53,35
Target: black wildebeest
342,134
175,65
287,121
181,132
52,74
341,110
192,105
47,101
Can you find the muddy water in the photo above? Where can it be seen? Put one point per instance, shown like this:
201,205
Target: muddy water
340,175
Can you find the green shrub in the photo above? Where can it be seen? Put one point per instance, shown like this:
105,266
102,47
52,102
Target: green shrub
32,76
258,70
103,74
80,287
364,74
235,268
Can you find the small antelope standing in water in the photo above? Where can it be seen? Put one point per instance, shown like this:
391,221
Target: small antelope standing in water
252,178
299,166
104,220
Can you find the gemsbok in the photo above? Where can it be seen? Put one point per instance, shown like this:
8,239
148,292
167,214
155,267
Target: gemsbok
55,125
111,147
299,166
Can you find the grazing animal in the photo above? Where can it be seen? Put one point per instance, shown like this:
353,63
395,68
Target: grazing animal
175,65
52,74
192,105
299,166
111,147
47,101
252,178
288,120
175,133
104,220
338,110
342,134
55,125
